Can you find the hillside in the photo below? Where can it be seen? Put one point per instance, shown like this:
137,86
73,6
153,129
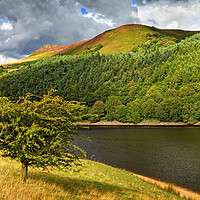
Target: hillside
161,83
127,37
44,52
122,39
93,181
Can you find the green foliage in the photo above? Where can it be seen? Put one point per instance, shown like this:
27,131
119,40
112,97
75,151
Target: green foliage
191,112
134,111
148,35
170,110
156,35
1,68
121,113
154,94
149,108
98,108
97,111
153,82
39,133
90,50
112,106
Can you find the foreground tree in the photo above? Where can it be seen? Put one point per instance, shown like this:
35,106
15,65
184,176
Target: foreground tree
39,133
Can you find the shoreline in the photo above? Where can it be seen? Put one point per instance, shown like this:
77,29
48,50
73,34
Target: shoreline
143,123
180,191
167,186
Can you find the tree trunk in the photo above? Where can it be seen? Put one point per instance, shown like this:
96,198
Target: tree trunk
24,172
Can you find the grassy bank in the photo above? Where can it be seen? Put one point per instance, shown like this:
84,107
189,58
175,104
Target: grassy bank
94,181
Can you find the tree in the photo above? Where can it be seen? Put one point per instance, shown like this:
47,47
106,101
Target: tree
149,108
121,114
97,111
111,106
154,93
190,112
170,110
39,133
134,111
1,68
186,91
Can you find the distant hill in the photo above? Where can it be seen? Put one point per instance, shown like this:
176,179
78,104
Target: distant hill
161,83
127,37
122,39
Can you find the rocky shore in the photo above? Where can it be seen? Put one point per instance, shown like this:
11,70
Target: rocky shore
143,123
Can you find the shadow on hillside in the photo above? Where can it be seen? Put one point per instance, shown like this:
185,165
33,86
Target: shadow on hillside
75,185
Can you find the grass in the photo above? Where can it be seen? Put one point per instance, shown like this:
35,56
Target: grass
29,59
94,181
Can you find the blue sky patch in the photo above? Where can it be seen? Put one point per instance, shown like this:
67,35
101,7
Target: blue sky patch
133,2
83,11
3,20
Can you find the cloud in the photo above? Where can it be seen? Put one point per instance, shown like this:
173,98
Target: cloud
25,26
4,59
163,14
99,18
118,12
6,26
44,22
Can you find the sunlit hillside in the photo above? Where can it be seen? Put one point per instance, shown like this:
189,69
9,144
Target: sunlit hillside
92,181
122,39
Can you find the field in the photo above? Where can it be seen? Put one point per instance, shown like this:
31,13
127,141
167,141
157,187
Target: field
91,181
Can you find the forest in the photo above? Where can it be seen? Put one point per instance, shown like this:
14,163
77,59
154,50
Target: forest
150,82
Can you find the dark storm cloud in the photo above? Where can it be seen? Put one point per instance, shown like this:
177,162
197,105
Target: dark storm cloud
37,22
33,23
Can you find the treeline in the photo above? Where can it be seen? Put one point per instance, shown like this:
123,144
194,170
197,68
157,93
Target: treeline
156,83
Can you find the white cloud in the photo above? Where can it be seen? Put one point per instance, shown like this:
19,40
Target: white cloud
173,25
99,18
163,14
6,26
133,14
4,59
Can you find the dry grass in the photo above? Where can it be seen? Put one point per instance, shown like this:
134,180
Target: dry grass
94,181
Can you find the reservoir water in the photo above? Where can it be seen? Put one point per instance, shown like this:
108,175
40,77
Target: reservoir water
169,154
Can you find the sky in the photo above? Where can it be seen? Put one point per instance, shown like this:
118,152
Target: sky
27,25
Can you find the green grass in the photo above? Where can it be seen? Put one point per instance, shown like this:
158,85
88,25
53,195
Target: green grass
94,181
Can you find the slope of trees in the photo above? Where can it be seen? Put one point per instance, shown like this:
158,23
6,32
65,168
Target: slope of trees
156,83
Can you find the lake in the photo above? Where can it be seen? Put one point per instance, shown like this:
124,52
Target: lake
169,154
